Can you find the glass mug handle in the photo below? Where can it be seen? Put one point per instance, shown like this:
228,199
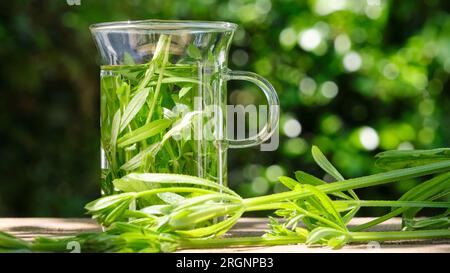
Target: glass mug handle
273,102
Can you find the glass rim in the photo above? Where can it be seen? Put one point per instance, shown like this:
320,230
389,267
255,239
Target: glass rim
166,25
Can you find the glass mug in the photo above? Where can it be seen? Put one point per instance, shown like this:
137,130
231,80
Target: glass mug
157,80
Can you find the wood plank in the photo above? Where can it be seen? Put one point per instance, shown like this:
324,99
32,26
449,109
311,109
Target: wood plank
29,228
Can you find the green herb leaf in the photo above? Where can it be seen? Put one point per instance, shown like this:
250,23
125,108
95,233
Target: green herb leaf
108,201
185,122
144,132
194,52
288,182
426,191
184,90
152,180
170,197
306,178
138,159
177,80
114,133
327,205
133,108
397,159
10,242
323,234
326,165
157,209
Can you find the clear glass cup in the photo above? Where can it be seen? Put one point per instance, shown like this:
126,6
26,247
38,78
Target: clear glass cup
164,98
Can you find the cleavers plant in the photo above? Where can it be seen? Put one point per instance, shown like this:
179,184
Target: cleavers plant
192,212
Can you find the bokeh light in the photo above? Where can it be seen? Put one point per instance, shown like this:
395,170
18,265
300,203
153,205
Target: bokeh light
308,86
239,57
309,39
369,138
273,172
342,43
352,61
260,185
292,128
324,7
329,89
288,37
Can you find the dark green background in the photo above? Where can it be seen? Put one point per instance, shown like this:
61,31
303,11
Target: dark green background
49,129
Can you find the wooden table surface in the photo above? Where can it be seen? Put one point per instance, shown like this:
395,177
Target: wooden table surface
29,228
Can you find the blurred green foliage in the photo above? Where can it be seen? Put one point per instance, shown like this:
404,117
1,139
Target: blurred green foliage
354,77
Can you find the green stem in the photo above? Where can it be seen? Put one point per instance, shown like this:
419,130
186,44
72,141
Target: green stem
285,240
384,203
240,241
272,206
355,183
378,220
399,235
173,157
196,217
173,189
344,205
160,77
56,246
60,245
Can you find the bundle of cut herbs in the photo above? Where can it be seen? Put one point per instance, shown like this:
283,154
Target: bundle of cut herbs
191,212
